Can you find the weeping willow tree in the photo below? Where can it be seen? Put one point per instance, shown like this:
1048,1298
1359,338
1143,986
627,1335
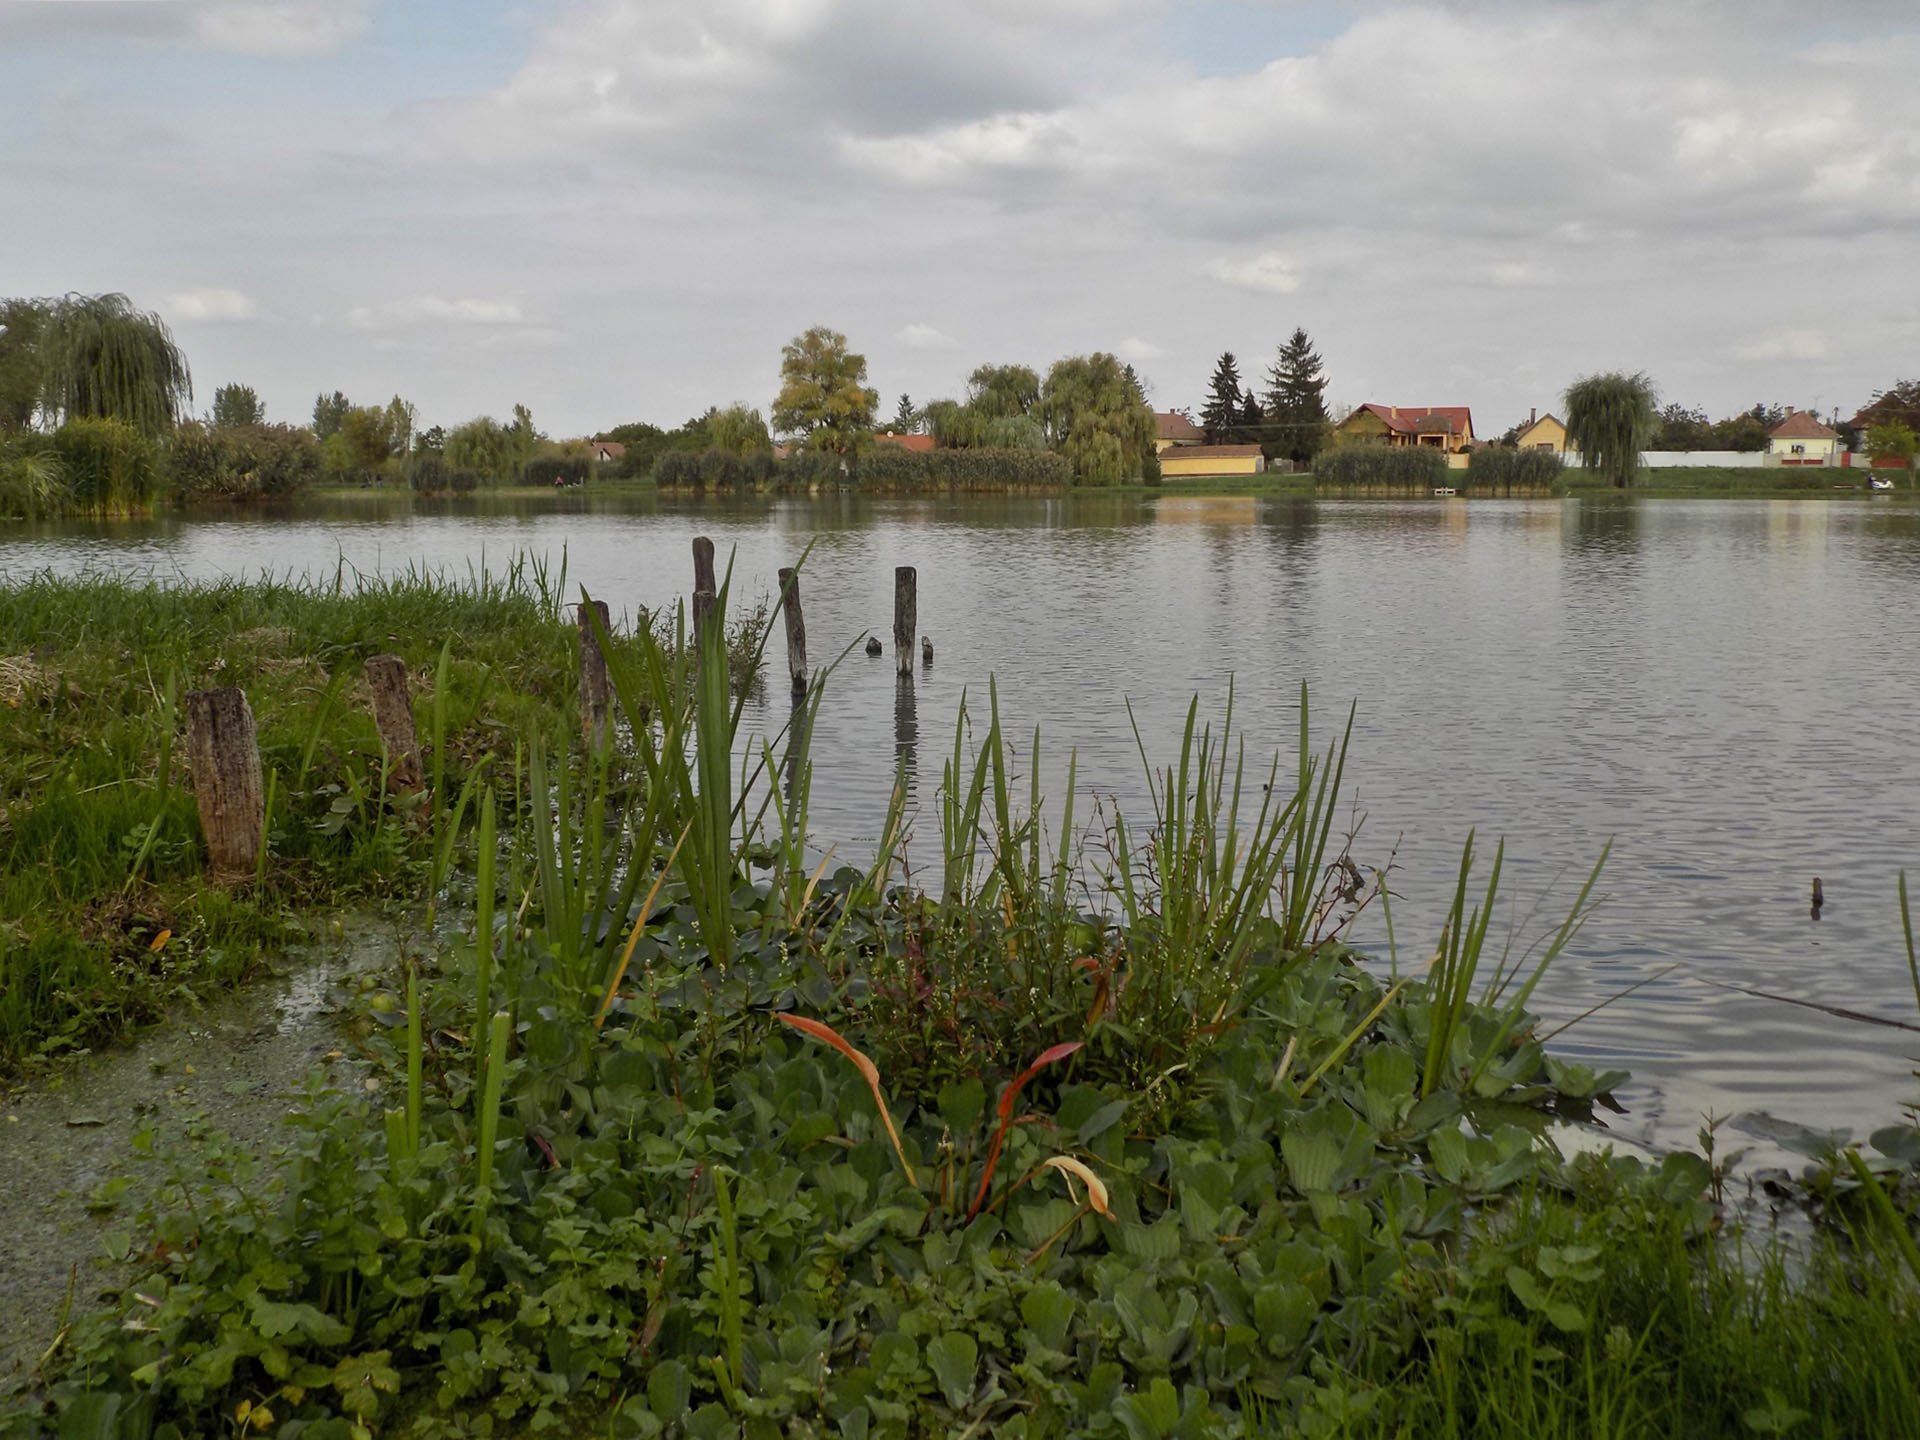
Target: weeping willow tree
1610,421
103,359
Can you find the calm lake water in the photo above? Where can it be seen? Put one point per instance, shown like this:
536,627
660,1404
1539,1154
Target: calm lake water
1730,690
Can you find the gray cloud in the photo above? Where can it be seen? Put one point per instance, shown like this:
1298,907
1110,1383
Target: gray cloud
1470,201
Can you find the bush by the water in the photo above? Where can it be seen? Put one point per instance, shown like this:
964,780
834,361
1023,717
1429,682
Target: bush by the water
106,466
982,468
1503,467
429,474
1394,466
240,462
552,470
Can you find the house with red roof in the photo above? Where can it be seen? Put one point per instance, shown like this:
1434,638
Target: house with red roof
1448,428
915,443
1801,439
1175,427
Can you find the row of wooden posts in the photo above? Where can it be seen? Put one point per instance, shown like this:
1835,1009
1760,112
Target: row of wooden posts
223,745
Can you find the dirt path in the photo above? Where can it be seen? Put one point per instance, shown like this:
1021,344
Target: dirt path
236,1063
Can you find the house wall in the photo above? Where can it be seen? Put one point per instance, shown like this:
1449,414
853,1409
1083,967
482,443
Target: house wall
1546,433
1173,463
1362,425
1813,452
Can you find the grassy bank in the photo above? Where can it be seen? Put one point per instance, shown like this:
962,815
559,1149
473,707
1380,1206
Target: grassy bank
104,918
686,1130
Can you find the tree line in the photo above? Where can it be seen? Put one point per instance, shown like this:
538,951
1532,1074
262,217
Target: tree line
1091,410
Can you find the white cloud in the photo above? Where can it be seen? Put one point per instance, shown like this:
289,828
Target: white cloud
212,304
279,27
435,310
1270,271
924,337
1785,345
1134,348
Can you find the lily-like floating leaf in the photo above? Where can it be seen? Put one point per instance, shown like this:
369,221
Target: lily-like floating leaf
827,1035
1012,1093
1073,1169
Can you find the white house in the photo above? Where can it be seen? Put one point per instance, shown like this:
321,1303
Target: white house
1800,439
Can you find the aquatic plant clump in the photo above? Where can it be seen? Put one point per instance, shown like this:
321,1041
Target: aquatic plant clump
689,1132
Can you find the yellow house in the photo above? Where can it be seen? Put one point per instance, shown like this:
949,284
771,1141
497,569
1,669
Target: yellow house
1445,427
1175,427
1542,432
1188,461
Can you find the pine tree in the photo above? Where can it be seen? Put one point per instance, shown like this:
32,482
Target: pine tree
1296,406
1220,416
1252,420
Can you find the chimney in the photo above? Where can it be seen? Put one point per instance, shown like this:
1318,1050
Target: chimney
1533,414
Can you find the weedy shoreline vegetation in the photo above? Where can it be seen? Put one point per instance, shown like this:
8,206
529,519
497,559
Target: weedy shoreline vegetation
1102,1131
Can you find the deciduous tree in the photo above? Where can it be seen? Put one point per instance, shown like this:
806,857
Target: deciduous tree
1096,414
824,397
740,431
994,391
328,412
1610,421
103,359
237,405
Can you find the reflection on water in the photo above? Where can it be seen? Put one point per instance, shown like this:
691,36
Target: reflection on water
1727,688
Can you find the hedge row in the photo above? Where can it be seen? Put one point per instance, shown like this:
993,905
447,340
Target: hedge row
1504,468
1410,466
883,467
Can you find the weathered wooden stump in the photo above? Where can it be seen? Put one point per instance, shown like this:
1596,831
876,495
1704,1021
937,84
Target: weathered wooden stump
596,717
223,754
796,630
703,566
906,598
393,718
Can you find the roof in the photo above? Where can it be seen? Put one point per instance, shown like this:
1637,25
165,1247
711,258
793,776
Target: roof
1802,426
1536,423
612,449
1424,419
1213,452
904,442
1174,426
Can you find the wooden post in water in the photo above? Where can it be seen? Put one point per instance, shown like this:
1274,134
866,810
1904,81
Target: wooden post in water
796,630
596,722
223,753
906,596
702,618
393,718
703,566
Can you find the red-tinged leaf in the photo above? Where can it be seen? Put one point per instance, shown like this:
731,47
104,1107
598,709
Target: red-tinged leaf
870,1072
1049,1056
1046,1057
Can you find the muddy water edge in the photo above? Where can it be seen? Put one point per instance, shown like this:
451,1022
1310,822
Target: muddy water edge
86,1142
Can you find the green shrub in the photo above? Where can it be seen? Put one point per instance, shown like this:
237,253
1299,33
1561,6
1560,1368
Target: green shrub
1505,468
722,470
889,467
429,474
677,468
550,470
464,482
1398,466
109,466
31,480
240,462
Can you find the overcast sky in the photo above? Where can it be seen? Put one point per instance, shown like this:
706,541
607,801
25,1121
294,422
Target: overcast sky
620,209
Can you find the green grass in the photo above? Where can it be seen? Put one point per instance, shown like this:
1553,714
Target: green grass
104,919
